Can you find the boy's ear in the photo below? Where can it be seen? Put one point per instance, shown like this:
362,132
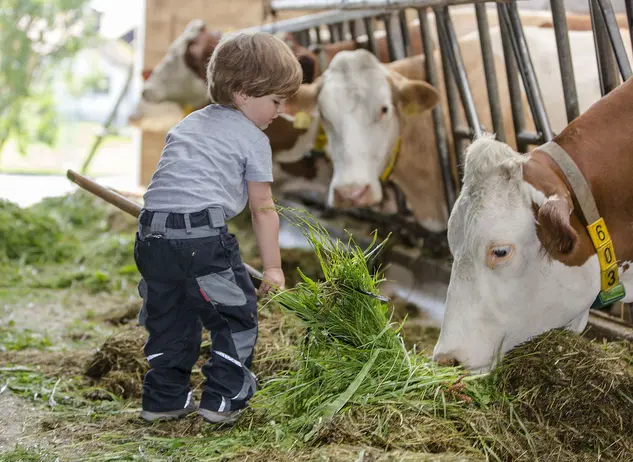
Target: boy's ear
239,98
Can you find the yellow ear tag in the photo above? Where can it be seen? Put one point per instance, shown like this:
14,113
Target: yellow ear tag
411,109
302,120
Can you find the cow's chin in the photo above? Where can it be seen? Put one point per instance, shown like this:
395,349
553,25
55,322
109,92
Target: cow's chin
579,323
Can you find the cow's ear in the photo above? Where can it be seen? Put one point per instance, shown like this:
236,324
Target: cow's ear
416,96
305,98
554,227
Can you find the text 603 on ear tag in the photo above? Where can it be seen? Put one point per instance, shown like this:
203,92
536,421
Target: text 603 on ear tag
302,120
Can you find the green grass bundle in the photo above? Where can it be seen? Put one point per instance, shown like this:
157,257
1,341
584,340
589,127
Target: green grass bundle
352,353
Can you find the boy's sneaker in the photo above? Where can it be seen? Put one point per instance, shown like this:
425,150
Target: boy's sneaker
169,415
215,417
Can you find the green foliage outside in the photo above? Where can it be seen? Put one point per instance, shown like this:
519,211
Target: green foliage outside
66,241
37,37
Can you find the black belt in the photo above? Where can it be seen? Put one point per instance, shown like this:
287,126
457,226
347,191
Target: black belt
177,220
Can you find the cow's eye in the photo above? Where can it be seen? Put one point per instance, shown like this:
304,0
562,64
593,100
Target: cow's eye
498,254
384,109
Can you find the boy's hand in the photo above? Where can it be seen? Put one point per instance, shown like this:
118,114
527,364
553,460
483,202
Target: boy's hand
273,278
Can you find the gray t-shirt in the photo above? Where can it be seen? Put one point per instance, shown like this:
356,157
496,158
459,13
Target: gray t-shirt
207,159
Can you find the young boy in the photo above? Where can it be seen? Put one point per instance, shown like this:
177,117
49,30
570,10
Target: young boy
214,161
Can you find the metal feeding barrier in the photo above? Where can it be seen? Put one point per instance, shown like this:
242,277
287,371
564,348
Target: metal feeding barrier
357,19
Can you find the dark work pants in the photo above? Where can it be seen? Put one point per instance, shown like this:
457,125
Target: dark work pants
187,284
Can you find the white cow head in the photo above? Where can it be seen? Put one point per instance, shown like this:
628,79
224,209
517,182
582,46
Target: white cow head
518,267
361,105
172,79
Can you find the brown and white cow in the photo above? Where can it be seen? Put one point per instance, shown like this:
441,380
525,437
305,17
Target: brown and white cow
523,259
366,107
179,76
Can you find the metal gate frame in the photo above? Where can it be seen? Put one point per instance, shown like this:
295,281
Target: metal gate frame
352,16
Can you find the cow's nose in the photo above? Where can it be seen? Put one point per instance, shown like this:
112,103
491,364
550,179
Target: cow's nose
352,194
446,360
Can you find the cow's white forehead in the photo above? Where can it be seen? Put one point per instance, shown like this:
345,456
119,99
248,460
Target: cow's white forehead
486,158
357,79
351,63
495,201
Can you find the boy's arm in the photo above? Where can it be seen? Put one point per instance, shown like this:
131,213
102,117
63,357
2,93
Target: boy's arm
266,227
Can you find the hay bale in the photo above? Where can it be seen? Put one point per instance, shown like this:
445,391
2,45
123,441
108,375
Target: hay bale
577,390
120,362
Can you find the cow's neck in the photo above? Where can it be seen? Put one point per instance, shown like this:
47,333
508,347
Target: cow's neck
418,175
601,143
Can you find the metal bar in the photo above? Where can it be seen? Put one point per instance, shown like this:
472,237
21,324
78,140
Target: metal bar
604,55
514,89
371,38
447,35
491,75
613,30
464,133
340,30
559,18
304,38
332,30
281,5
451,93
313,20
317,33
510,15
404,32
391,47
628,4
450,188
351,25
526,138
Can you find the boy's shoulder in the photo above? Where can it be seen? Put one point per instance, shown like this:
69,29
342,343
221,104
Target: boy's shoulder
219,116
220,120
219,123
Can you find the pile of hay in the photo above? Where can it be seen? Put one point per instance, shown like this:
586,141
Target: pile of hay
337,375
275,349
574,389
119,364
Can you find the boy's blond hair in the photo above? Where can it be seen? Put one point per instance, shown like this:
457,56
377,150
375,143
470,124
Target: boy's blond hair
253,64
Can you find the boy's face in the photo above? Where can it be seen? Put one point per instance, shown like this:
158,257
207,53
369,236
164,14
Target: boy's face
261,111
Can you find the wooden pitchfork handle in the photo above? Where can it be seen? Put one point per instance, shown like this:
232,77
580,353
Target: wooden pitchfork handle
131,207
